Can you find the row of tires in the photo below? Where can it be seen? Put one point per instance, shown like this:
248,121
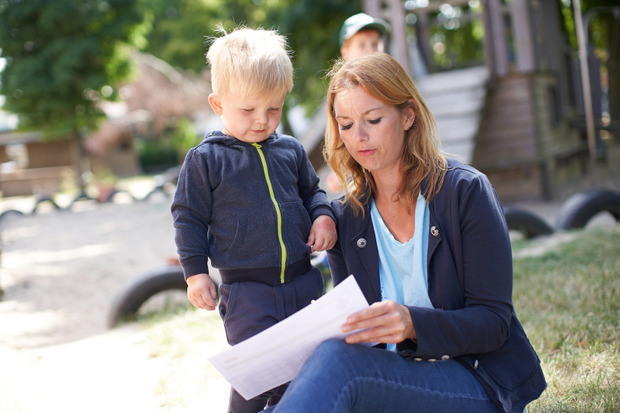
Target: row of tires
575,213
164,185
115,196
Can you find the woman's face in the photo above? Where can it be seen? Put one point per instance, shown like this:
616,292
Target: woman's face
372,131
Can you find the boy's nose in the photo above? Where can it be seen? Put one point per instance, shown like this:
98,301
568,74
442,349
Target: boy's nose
261,117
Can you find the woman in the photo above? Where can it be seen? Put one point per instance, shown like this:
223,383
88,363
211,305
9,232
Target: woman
428,245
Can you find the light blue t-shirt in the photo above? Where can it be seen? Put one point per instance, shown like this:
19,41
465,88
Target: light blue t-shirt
402,266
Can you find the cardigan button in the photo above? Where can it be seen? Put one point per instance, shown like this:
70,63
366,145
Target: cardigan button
445,357
476,365
361,243
434,231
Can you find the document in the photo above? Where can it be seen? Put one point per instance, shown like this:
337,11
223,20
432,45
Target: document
275,356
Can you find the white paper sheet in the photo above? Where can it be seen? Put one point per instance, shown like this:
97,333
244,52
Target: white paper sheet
275,356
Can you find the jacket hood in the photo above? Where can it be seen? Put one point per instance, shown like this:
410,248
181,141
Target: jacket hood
221,138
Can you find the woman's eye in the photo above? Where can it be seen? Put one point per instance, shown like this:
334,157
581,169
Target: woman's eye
346,127
374,121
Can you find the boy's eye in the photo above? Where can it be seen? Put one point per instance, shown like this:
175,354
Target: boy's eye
374,121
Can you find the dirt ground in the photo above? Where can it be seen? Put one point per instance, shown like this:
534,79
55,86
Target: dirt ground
60,271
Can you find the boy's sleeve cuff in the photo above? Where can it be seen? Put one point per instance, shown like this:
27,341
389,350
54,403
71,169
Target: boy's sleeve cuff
194,265
322,210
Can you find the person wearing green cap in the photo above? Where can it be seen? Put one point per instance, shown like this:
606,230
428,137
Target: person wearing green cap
360,35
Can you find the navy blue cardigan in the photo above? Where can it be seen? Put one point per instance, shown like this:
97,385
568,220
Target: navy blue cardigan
469,283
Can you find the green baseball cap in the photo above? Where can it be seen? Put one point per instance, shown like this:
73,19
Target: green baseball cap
358,22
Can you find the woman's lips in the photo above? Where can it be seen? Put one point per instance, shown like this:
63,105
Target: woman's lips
366,152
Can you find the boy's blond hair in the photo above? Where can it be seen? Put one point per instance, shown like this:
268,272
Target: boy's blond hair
250,63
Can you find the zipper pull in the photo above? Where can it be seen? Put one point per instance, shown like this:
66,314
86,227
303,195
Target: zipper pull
256,145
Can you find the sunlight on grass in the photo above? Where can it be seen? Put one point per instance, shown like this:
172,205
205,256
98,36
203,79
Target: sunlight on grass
568,300
182,342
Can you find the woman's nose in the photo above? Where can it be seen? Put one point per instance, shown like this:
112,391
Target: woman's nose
359,133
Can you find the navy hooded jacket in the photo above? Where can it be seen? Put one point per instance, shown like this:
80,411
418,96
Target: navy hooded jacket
248,207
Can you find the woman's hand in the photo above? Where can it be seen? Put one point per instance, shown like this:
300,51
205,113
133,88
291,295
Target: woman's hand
384,321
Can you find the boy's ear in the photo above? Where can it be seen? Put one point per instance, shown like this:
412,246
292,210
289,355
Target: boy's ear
216,104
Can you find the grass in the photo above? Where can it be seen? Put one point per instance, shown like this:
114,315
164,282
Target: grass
568,300
566,295
179,342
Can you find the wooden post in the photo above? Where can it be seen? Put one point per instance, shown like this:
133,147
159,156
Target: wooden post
372,7
395,14
495,38
585,84
522,33
400,51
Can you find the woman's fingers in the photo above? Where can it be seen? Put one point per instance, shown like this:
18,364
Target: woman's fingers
382,322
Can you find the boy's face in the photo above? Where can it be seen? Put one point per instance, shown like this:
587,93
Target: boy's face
362,43
249,120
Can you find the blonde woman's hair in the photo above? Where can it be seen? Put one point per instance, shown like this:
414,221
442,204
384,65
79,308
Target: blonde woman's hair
383,78
250,63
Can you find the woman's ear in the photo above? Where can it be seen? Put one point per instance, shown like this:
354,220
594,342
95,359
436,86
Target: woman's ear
409,115
216,104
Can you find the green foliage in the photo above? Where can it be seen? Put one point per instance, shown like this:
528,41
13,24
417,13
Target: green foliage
155,155
179,30
312,28
182,28
600,26
185,137
168,149
60,55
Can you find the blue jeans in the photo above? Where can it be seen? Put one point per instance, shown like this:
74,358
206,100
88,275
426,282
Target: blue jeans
341,377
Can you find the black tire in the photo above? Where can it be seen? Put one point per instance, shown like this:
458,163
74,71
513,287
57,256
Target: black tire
582,206
117,194
157,190
526,222
127,303
9,213
45,200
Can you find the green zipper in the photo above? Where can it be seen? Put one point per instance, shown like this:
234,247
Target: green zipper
275,204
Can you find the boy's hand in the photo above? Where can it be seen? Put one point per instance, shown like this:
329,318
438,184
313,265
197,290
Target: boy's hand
322,234
201,292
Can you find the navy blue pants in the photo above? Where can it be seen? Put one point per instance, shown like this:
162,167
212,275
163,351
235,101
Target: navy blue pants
248,307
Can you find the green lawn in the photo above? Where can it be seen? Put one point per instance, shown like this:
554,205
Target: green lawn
568,300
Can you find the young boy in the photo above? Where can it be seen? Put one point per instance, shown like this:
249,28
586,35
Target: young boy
360,35
249,199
